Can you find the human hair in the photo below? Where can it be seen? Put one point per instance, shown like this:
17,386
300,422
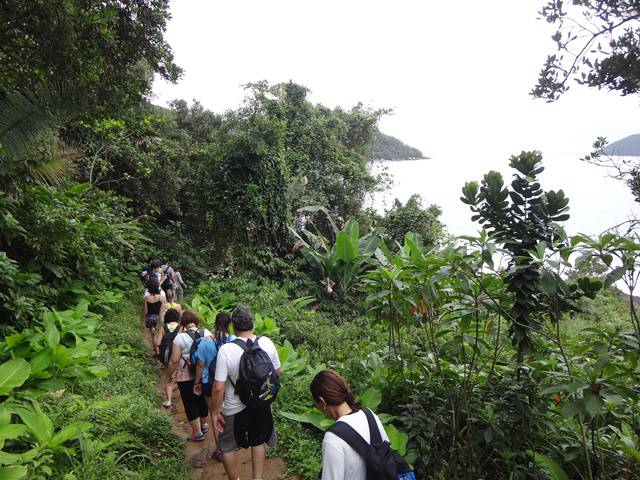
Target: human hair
171,315
242,319
156,264
223,320
333,389
153,286
169,294
188,317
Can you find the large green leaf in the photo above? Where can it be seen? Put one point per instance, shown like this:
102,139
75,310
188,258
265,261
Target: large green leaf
38,423
397,438
41,361
52,335
549,465
9,458
314,417
70,432
13,374
371,398
592,403
347,242
12,431
15,472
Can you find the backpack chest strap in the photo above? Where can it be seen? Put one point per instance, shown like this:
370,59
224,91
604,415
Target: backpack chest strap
354,439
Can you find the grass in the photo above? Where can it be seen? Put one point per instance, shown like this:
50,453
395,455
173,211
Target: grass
130,438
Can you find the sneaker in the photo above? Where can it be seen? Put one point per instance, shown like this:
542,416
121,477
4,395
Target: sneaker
195,438
167,404
204,427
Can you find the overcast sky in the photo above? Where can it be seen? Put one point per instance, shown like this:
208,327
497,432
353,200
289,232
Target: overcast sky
457,74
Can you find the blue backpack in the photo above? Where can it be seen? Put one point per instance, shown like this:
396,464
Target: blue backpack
221,341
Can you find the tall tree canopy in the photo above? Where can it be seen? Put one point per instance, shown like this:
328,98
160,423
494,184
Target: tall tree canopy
106,50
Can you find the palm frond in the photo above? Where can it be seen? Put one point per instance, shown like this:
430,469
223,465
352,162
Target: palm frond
25,115
58,162
30,149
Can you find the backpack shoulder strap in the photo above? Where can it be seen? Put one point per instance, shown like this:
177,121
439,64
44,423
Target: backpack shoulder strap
201,332
374,431
353,438
241,343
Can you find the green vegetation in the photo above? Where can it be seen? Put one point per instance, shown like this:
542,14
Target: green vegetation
387,147
506,355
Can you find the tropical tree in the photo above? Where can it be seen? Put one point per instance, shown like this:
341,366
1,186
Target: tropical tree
107,50
598,44
520,219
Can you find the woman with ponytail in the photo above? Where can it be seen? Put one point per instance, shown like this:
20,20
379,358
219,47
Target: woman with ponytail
333,397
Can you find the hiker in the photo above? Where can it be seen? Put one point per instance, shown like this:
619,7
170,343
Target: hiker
241,425
170,303
168,280
206,366
180,286
354,426
153,303
195,406
164,345
155,271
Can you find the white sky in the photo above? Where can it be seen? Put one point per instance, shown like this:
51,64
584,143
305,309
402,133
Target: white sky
457,74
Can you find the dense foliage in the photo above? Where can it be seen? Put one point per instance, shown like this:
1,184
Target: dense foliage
106,51
411,217
506,355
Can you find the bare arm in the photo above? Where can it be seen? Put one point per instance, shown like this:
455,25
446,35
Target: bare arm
197,384
175,359
217,398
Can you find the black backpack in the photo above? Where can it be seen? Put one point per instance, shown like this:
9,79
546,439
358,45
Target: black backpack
166,344
383,463
257,384
168,278
196,336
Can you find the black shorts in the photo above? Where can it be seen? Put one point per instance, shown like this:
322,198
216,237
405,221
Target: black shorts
206,389
248,428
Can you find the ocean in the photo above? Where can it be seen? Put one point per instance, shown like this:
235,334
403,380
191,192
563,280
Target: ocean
597,202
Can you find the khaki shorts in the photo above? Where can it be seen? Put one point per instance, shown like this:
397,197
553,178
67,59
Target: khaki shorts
247,429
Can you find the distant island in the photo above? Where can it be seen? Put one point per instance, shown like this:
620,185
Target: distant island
626,147
387,147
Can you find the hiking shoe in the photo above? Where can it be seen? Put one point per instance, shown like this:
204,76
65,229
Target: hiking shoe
195,438
204,428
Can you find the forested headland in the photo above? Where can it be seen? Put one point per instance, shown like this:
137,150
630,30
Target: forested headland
510,354
387,147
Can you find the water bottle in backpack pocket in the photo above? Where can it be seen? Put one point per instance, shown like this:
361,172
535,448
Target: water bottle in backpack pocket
383,462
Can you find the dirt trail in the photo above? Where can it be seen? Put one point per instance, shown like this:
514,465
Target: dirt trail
199,454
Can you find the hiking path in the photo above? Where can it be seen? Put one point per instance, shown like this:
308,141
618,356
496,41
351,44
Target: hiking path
198,454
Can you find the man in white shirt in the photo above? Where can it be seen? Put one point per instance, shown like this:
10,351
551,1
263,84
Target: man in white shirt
239,426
